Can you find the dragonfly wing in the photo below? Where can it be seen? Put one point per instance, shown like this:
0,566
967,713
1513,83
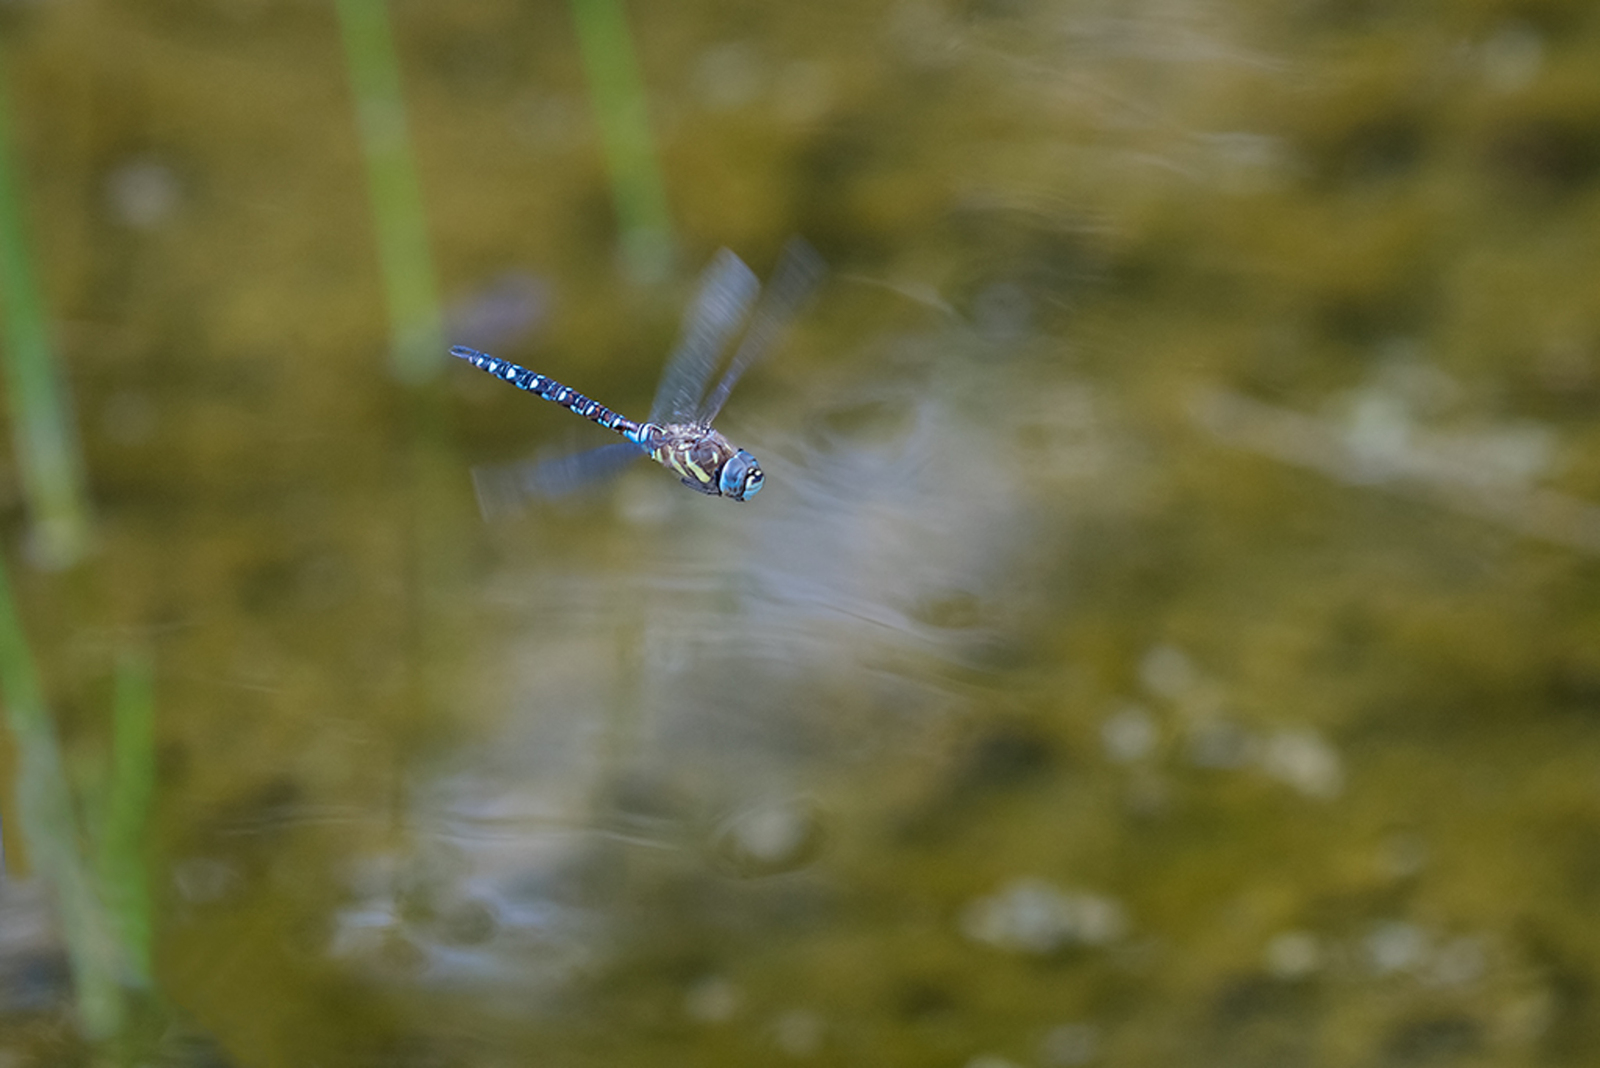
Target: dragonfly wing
798,271
727,289
506,489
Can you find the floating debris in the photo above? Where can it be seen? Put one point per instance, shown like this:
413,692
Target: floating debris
1396,946
1512,57
1033,916
1167,671
770,837
1460,961
1070,1045
1294,955
1129,734
712,1000
1222,745
799,1032
1305,760
143,193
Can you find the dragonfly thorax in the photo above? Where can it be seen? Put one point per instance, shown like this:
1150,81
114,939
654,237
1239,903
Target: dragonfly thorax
703,459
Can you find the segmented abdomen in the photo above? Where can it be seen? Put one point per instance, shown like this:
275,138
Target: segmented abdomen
548,388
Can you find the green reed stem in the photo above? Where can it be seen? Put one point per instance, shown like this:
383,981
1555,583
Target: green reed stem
395,190
46,440
119,847
49,829
621,106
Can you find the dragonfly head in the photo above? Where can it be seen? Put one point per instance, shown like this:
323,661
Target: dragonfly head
741,477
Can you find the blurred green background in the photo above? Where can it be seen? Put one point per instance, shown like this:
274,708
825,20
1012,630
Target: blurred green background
1169,634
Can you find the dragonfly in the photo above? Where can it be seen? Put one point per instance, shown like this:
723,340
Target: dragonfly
677,434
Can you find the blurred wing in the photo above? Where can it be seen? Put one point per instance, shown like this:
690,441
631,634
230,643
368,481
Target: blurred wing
727,289
506,489
798,271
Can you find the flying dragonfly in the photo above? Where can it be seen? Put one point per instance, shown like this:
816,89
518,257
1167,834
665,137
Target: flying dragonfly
677,434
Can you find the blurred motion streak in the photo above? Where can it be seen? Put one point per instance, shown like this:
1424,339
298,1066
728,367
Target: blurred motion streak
42,424
396,192
1400,465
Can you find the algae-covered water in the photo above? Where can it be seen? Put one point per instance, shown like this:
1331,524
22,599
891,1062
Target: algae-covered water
1169,633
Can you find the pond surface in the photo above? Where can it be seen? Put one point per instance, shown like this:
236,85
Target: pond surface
1169,632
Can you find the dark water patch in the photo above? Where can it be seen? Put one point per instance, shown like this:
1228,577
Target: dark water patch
1362,318
1002,756
1573,840
987,760
202,23
1557,20
924,1000
1369,148
1360,17
1258,1020
1573,684
1433,1040
483,52
1572,1029
1544,156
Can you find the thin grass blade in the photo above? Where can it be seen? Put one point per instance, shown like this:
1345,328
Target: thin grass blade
415,332
119,850
623,113
50,830
41,414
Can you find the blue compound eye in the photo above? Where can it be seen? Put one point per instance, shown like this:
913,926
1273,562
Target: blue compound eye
741,477
752,483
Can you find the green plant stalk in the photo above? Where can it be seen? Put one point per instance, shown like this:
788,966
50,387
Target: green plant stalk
119,848
46,439
49,830
622,110
395,190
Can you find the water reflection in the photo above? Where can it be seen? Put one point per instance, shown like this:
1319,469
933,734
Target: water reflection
691,694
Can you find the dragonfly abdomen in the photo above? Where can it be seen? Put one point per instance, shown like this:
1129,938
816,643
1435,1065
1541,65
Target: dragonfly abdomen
548,388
